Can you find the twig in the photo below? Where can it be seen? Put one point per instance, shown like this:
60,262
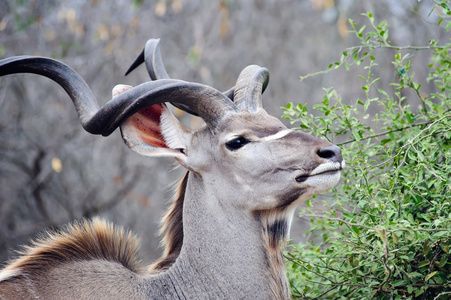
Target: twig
441,294
386,132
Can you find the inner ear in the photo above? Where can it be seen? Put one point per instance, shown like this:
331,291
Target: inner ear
174,133
154,131
145,126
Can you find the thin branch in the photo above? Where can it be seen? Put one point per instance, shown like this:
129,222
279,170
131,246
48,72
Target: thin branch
337,65
442,294
386,132
384,46
372,228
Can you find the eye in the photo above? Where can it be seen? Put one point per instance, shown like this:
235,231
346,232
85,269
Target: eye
237,143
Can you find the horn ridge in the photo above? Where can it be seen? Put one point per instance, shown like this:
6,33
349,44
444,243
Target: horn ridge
110,116
250,85
210,104
151,56
74,85
154,62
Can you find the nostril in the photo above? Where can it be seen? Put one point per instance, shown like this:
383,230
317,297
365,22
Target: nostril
327,154
332,153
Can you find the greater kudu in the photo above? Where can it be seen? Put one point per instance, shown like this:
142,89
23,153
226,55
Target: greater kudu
246,173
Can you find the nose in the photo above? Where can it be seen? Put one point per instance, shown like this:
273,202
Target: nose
331,153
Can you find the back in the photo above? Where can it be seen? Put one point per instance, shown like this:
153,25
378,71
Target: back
87,260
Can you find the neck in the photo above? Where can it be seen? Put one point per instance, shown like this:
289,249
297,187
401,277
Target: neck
239,251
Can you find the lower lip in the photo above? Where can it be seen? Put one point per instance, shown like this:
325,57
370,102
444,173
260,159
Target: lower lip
303,178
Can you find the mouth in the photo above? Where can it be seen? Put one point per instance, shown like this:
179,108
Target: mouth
303,178
325,169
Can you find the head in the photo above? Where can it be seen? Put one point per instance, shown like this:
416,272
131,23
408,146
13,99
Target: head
247,157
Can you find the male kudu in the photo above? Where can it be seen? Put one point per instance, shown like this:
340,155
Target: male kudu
246,173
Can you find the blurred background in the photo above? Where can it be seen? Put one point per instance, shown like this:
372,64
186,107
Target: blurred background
52,171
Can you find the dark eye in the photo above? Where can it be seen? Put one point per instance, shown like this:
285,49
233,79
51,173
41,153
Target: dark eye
237,143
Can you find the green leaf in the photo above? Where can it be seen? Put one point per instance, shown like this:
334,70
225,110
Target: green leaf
356,135
362,29
396,182
347,66
385,141
429,276
418,292
443,261
423,263
399,282
415,274
410,218
426,248
441,234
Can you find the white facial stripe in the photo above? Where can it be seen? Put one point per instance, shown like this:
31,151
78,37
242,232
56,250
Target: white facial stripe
276,136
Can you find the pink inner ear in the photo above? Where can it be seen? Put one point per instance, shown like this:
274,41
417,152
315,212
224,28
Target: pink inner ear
147,124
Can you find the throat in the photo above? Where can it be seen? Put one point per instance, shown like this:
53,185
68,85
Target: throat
246,256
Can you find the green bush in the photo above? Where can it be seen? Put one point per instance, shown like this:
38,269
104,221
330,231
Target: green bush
385,232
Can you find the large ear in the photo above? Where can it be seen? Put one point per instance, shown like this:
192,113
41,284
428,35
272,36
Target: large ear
154,131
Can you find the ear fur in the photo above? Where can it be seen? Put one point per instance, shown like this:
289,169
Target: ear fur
154,131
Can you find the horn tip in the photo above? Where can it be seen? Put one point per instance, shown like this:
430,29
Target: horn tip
138,60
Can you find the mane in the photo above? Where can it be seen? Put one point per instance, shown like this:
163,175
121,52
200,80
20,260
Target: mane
83,240
275,227
100,239
172,229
